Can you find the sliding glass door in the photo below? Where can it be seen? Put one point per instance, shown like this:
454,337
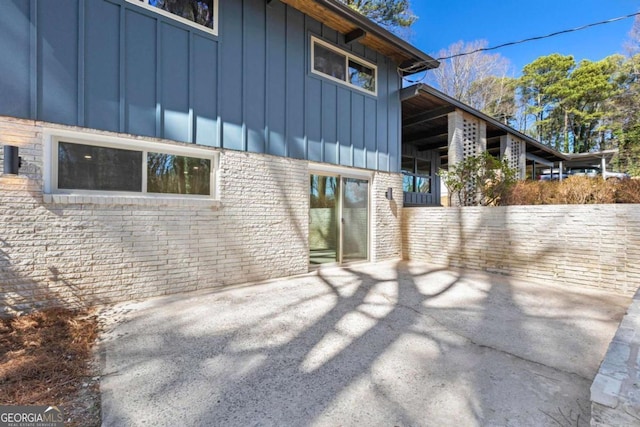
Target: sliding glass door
355,220
323,219
338,219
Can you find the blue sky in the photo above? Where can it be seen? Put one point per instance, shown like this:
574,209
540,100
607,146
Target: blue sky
443,22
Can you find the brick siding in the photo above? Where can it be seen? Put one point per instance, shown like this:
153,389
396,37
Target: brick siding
92,249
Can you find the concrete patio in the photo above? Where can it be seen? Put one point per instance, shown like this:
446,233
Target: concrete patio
390,344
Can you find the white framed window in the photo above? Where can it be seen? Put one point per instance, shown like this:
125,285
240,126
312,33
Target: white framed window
98,165
341,66
416,175
202,14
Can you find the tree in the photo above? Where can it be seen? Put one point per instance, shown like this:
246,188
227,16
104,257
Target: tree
392,14
585,101
632,45
456,76
626,116
572,104
538,87
495,96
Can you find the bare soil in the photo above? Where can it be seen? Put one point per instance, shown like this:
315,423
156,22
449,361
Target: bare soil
46,358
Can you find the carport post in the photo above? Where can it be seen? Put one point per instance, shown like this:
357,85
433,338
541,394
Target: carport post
559,172
533,171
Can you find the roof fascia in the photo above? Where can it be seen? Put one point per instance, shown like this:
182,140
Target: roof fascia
371,27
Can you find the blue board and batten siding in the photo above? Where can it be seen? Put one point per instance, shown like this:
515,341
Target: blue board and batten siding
111,65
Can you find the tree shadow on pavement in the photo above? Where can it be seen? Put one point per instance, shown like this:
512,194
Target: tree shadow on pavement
392,344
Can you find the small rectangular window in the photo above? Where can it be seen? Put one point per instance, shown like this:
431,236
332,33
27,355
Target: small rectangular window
423,167
87,167
362,76
168,173
407,183
342,66
329,62
423,184
408,164
202,14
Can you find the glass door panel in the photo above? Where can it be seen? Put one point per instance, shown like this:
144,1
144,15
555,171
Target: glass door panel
355,219
323,219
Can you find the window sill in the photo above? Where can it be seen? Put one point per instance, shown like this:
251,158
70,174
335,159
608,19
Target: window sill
86,199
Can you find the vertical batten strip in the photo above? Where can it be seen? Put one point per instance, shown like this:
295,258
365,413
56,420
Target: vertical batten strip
159,118
81,62
34,66
267,137
243,91
122,80
191,131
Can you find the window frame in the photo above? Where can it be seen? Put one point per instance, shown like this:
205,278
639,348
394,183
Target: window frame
348,57
51,163
214,31
414,175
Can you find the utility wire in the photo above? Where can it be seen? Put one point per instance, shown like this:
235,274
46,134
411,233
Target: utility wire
486,49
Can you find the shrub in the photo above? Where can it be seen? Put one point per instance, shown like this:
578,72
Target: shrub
627,191
479,180
574,190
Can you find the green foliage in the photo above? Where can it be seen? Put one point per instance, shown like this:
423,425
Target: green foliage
539,86
574,105
629,155
388,13
479,180
625,117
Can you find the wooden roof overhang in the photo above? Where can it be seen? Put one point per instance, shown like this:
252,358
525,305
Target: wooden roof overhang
355,26
425,125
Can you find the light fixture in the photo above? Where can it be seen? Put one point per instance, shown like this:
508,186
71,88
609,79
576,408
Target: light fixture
389,193
12,161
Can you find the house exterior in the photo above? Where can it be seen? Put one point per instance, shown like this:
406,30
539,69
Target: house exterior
439,131
215,143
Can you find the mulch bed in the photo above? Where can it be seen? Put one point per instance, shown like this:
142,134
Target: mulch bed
46,358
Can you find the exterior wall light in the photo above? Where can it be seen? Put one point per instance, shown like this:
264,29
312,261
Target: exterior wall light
389,193
12,161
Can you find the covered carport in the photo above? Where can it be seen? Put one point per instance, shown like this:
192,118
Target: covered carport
438,131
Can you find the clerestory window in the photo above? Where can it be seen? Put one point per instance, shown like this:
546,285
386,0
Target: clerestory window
202,14
339,65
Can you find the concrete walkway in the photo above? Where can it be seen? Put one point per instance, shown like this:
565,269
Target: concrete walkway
390,344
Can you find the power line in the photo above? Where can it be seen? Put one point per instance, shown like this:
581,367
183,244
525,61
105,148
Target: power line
571,30
486,49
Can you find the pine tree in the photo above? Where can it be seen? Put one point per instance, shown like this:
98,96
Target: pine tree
391,14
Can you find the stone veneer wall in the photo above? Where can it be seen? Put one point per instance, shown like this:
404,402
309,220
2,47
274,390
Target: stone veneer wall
615,400
89,251
596,246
